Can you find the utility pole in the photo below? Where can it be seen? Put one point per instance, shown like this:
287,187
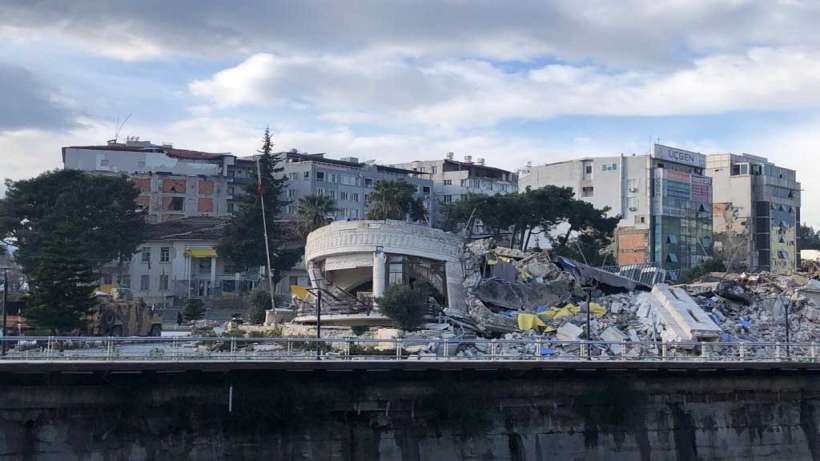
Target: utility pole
267,244
788,328
589,322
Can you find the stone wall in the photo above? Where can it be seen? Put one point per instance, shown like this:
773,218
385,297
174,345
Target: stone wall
411,416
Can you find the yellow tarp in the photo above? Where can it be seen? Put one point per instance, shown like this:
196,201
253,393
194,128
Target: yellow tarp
566,311
597,309
201,252
299,291
529,321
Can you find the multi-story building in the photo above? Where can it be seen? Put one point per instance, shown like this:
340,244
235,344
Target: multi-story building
757,204
453,179
173,183
347,181
663,199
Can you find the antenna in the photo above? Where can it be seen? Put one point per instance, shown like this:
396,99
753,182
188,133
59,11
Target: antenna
119,128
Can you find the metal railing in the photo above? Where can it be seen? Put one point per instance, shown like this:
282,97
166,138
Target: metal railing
353,348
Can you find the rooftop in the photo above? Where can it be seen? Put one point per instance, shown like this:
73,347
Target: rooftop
146,146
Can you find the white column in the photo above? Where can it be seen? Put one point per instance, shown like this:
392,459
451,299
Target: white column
379,273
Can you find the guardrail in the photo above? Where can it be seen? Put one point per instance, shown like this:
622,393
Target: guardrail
72,348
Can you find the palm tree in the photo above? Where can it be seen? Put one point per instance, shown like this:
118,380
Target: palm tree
314,212
395,200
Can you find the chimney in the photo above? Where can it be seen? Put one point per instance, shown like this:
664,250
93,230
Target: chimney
450,155
468,159
480,161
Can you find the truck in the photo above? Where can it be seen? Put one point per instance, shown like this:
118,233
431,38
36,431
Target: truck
117,315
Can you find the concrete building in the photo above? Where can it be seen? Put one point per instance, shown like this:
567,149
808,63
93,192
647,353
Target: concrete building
174,183
758,203
453,179
362,258
663,199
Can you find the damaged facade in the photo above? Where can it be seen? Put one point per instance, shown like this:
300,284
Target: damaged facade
352,262
173,183
756,211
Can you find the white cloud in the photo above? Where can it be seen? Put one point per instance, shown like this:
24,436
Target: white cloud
465,93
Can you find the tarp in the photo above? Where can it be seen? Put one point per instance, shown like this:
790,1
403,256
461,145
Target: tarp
528,322
299,291
200,252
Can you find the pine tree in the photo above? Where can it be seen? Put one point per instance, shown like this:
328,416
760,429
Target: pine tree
243,242
61,287
194,309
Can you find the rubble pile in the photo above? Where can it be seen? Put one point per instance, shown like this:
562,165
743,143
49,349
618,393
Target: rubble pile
523,296
754,308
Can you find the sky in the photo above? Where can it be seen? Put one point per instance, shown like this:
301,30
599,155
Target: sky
392,81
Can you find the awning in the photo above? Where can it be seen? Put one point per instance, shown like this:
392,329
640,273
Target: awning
200,252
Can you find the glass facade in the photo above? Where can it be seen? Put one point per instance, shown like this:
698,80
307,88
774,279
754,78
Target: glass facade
682,218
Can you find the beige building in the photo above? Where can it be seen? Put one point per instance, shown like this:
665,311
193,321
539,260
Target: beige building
756,212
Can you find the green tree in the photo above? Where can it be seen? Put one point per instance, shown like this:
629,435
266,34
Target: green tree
404,305
243,241
194,309
259,303
61,287
395,200
92,218
807,238
314,212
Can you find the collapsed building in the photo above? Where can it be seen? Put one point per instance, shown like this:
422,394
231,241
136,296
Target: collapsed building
491,292
353,262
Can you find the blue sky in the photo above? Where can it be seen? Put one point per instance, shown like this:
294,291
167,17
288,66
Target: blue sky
513,82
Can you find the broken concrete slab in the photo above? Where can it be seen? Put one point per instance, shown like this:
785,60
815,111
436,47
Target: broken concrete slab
568,332
682,317
522,296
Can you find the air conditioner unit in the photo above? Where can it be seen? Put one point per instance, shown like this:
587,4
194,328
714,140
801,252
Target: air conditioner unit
633,208
633,189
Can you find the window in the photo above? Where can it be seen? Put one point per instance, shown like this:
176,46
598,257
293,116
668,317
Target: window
433,169
230,207
320,176
306,175
204,265
292,280
425,189
145,282
587,191
368,182
164,254
448,182
124,281
291,209
104,161
448,199
291,193
163,282
107,279
343,195
176,203
292,176
146,255
588,169
332,194
320,192
228,267
355,196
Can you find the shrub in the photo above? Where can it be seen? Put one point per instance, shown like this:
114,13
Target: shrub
194,309
259,303
404,305
359,330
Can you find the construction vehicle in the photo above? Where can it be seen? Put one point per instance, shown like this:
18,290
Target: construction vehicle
116,315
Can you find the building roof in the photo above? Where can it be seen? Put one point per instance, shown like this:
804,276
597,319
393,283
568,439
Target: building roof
169,151
320,158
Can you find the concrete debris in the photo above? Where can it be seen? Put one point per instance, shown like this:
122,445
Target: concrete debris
682,318
568,332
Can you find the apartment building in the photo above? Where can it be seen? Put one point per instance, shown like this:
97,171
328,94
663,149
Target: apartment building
347,181
663,199
756,211
173,183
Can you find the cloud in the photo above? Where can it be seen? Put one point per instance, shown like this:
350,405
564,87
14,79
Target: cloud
469,93
629,32
28,103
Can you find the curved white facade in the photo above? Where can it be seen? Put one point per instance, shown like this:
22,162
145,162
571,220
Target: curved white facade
357,249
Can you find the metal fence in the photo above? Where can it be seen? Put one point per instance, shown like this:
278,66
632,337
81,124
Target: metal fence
353,348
